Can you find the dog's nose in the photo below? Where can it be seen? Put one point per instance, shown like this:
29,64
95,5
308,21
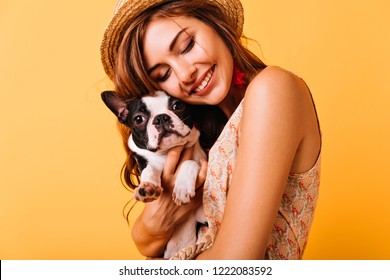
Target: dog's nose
161,119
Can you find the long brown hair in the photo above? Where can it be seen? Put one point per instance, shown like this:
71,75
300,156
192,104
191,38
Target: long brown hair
131,79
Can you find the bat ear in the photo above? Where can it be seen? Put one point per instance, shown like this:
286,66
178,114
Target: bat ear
115,104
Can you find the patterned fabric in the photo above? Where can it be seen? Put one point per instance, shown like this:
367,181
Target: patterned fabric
292,225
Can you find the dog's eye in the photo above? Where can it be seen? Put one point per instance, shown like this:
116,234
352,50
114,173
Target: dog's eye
138,119
177,106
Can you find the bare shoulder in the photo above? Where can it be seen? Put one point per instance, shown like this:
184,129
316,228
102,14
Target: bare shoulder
282,101
277,81
279,90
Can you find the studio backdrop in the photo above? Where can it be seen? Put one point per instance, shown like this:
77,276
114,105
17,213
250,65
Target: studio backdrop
61,154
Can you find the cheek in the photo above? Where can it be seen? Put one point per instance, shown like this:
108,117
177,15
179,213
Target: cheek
172,87
226,64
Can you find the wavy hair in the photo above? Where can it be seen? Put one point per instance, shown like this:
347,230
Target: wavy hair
131,79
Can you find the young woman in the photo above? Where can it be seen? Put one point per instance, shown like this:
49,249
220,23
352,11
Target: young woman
262,179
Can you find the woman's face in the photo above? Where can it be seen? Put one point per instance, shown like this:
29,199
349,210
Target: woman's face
188,60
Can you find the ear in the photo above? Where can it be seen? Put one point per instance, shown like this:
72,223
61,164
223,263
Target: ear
116,105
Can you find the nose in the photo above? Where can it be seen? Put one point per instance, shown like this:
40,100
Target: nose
161,120
186,73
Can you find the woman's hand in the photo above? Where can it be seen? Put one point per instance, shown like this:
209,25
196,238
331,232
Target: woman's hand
176,156
156,223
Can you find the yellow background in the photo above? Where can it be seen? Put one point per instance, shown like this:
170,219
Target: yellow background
60,152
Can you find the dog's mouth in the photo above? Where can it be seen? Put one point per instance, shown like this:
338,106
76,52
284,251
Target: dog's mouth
169,133
163,142
166,133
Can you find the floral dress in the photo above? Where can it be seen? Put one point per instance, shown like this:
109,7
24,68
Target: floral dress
296,211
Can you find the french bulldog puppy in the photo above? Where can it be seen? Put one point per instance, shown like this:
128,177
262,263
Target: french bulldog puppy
158,123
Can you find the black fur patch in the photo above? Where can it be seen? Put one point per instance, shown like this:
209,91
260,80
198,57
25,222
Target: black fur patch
182,110
138,109
142,162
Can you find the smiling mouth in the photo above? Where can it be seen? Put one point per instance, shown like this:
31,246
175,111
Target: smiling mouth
205,81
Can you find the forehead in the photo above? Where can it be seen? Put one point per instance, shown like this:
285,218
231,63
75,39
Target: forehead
156,103
160,32
166,27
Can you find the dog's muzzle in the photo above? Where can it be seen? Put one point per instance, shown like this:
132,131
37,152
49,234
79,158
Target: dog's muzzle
163,123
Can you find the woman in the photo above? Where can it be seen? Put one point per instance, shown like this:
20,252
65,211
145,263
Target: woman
263,171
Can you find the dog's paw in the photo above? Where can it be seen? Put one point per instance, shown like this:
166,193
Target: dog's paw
147,192
182,194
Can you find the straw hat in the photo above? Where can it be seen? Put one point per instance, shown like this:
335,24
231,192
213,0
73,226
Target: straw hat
127,10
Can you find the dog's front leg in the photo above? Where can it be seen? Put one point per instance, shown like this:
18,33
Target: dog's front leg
185,182
150,186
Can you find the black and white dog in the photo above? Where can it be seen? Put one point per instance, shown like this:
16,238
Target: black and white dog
158,123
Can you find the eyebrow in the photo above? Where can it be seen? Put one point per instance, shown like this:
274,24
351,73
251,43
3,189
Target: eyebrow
171,46
173,43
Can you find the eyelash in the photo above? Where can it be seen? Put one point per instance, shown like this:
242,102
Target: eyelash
187,49
164,77
189,46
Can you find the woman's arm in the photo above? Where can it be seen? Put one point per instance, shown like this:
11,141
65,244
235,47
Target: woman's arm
277,116
154,227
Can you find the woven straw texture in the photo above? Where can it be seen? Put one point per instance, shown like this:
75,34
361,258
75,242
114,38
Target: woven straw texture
126,10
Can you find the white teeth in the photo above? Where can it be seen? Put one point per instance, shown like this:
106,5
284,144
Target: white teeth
204,82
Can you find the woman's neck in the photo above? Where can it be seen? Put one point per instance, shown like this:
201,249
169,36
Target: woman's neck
235,96
232,100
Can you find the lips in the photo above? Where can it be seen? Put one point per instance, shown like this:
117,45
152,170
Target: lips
202,84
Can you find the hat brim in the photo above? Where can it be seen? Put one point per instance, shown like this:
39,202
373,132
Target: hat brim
127,10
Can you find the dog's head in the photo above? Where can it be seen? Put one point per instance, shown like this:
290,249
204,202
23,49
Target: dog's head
158,122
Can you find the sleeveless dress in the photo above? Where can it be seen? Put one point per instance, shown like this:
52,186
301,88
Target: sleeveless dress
296,211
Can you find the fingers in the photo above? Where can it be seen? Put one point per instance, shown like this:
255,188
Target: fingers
175,158
202,173
170,165
163,214
188,154
198,198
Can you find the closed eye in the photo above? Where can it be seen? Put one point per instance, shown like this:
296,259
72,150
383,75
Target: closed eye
189,46
164,77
